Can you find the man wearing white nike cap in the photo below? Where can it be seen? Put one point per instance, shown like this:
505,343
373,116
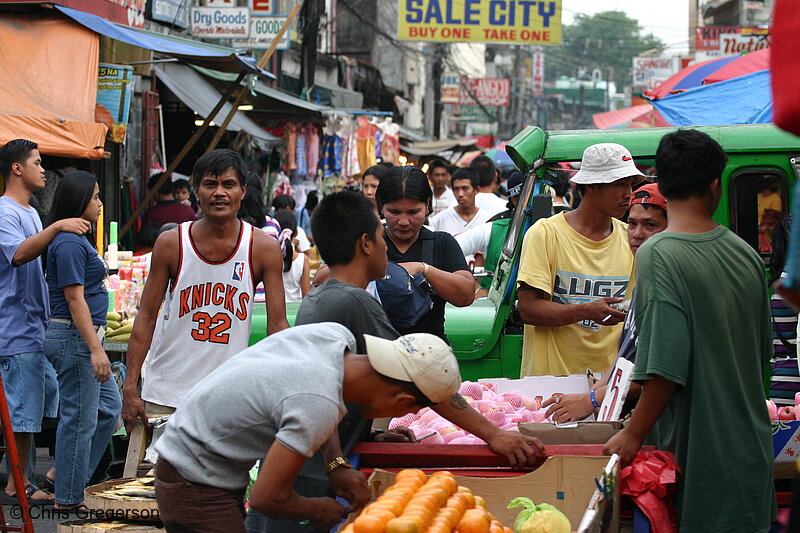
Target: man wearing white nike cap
279,401
574,267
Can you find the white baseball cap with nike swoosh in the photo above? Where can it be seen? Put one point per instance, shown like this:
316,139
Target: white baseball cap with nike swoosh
605,163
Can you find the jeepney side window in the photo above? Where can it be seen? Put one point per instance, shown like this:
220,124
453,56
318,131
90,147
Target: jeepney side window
758,201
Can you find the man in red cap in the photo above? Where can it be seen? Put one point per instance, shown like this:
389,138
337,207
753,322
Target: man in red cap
646,217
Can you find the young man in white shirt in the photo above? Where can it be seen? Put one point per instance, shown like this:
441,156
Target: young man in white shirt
439,176
465,215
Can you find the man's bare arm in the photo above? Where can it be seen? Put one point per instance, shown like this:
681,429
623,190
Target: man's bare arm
536,309
268,263
36,244
164,264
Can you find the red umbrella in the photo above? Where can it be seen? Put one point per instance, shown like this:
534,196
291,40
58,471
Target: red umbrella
711,71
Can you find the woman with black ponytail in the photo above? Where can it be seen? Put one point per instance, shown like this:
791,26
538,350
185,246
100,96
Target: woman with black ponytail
89,402
296,267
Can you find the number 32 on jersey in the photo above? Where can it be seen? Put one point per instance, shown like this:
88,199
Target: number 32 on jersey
211,328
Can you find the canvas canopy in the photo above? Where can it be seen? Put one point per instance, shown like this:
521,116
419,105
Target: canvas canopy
45,94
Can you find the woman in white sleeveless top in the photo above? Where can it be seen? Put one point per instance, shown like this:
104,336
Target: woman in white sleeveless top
296,268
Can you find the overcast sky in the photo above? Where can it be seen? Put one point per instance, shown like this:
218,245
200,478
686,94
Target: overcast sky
668,20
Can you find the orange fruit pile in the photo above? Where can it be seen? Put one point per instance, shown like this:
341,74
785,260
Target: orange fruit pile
416,503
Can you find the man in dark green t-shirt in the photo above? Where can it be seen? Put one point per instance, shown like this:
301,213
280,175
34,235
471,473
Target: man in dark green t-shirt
704,337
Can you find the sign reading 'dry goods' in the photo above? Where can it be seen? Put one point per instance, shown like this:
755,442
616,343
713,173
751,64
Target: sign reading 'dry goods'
486,91
262,31
487,21
220,22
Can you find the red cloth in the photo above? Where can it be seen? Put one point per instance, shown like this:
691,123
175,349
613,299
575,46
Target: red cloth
650,481
172,211
785,64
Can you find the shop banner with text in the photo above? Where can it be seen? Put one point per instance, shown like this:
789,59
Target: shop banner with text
486,91
486,21
114,90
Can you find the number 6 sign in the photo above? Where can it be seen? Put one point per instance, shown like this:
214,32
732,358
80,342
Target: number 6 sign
618,384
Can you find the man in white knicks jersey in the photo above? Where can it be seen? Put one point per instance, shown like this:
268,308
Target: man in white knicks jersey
205,273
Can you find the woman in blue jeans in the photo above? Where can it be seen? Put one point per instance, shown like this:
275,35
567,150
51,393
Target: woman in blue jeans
89,402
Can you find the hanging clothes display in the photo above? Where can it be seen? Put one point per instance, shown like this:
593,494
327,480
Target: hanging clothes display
301,168
291,148
312,151
366,143
389,141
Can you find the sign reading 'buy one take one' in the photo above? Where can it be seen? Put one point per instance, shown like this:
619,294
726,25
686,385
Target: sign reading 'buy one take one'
486,21
220,22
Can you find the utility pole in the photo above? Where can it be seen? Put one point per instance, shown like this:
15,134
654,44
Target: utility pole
519,92
430,92
439,50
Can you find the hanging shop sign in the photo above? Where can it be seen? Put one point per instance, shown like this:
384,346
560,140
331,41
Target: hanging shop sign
450,88
114,90
741,43
486,91
173,12
650,72
262,31
707,42
220,22
494,21
537,74
261,7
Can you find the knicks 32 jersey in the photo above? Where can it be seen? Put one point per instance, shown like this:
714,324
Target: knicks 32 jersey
205,319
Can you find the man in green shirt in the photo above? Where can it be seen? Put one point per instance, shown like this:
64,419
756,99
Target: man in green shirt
704,337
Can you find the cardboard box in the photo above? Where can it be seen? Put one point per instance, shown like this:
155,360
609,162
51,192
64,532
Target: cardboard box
786,440
544,386
571,433
564,481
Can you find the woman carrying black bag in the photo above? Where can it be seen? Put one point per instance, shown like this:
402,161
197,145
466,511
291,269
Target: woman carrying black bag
404,200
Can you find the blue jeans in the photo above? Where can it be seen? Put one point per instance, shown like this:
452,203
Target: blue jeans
88,411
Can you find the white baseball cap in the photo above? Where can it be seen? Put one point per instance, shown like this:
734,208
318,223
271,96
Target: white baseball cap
605,163
421,358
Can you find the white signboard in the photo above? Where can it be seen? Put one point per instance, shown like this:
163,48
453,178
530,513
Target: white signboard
450,88
738,43
650,72
537,74
262,31
616,391
220,22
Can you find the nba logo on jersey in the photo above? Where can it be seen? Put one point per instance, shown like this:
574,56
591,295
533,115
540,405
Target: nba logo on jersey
238,271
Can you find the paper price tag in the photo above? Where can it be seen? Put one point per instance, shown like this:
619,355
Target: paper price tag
616,391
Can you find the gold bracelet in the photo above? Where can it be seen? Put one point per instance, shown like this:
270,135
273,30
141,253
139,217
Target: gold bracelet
425,267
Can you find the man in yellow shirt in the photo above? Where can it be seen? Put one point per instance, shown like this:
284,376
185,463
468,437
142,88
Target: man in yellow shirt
574,266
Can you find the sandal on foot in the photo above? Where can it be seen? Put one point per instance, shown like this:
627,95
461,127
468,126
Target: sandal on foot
30,490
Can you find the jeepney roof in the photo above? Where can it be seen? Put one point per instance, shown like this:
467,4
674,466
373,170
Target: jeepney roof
568,145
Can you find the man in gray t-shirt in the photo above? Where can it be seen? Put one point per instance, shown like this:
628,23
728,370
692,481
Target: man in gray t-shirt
283,398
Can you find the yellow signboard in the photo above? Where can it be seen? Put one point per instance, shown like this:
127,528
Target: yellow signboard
486,21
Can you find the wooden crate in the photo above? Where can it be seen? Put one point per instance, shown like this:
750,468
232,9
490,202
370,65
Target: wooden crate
95,501
91,526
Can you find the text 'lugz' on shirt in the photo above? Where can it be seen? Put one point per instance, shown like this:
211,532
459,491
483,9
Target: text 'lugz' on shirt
205,319
573,269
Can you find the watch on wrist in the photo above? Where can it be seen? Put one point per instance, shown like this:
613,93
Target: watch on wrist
339,462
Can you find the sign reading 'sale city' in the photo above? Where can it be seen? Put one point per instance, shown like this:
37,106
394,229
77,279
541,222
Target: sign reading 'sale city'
486,21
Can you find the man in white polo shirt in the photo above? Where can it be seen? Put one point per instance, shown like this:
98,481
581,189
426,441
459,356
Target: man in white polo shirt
465,214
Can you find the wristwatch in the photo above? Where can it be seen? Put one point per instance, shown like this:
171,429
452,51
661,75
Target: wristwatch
339,462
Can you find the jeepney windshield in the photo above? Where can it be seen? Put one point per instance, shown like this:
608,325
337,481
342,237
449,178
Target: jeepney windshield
519,216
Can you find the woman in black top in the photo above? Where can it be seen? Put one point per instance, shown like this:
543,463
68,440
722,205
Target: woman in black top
404,199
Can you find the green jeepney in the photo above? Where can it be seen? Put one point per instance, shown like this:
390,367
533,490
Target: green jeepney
487,335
